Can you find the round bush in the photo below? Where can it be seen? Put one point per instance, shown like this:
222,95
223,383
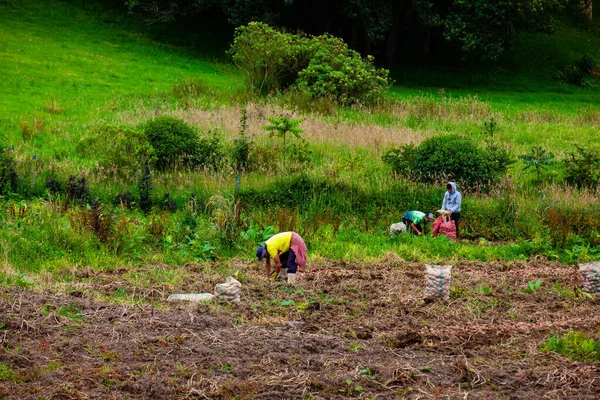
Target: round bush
172,139
337,72
458,158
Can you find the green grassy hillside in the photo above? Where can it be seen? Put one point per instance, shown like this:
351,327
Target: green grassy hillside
69,66
67,69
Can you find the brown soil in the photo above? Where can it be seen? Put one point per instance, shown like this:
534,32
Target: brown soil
360,331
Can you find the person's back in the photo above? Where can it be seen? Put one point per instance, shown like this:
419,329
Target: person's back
279,243
413,220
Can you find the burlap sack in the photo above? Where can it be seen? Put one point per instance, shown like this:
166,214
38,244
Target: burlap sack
197,297
234,298
437,281
590,274
400,227
228,291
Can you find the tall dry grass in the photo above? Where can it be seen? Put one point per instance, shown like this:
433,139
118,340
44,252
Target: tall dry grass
316,130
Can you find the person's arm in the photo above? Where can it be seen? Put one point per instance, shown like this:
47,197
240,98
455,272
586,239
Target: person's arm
414,227
277,261
445,202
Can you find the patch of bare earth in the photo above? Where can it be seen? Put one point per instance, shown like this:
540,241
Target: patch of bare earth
345,330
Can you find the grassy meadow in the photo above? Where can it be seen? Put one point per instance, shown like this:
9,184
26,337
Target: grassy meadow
69,70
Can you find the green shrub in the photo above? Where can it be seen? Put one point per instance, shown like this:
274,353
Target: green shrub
270,59
576,72
582,167
337,72
9,180
450,157
118,148
322,66
173,140
570,74
210,152
586,64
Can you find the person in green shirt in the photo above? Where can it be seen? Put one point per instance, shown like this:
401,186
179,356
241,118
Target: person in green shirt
413,220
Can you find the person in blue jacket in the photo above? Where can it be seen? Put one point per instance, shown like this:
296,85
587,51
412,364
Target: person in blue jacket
452,203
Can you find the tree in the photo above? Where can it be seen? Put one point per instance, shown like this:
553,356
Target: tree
537,159
588,9
281,126
483,29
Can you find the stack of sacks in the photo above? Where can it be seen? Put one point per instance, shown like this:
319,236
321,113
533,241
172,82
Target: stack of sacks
437,281
228,291
590,273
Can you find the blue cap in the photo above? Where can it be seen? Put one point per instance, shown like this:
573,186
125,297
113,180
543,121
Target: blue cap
260,252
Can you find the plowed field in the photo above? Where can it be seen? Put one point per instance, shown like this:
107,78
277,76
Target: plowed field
344,331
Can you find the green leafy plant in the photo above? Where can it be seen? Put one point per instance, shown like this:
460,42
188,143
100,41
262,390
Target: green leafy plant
484,290
366,372
538,159
575,345
351,388
226,367
562,291
354,347
281,126
532,287
71,311
257,234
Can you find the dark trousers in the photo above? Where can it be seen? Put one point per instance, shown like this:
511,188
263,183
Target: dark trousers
455,217
288,260
408,224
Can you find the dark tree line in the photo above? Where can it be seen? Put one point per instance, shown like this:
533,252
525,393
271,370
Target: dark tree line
390,29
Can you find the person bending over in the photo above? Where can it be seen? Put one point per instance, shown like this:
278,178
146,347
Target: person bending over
288,251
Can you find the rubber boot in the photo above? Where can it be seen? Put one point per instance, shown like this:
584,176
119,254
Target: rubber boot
291,278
